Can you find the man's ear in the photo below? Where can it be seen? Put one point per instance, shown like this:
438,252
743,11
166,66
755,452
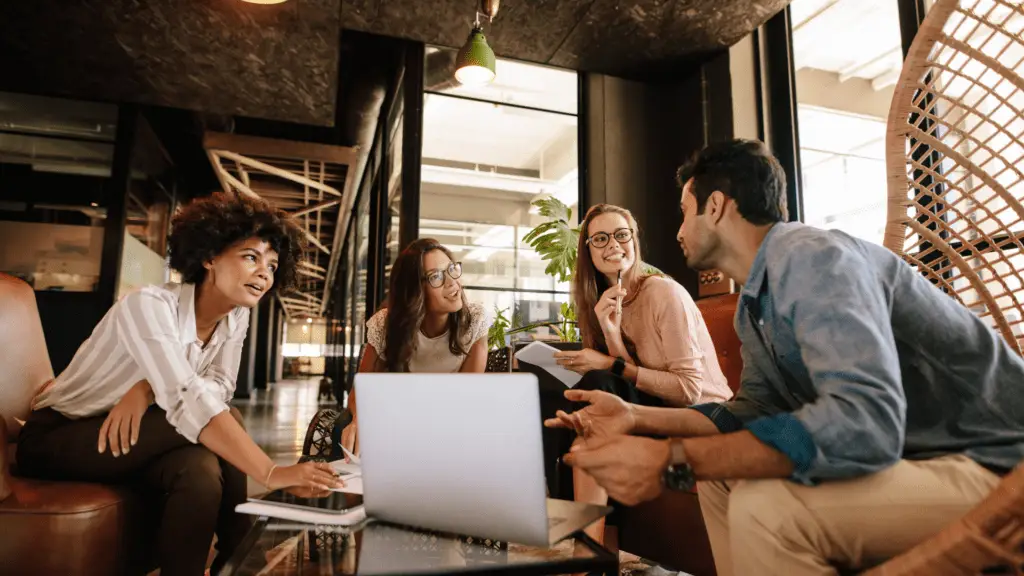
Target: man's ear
208,264
716,205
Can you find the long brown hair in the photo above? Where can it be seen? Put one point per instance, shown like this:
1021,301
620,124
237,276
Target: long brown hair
407,307
588,284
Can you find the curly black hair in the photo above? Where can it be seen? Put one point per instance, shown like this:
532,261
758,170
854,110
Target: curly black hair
205,227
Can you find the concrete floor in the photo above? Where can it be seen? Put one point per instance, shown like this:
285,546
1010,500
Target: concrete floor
277,419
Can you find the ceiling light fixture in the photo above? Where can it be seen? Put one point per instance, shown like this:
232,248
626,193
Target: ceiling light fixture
265,1
475,64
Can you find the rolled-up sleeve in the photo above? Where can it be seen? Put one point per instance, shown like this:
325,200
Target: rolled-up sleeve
840,316
147,328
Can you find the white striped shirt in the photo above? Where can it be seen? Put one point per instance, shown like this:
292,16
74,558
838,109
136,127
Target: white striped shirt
151,334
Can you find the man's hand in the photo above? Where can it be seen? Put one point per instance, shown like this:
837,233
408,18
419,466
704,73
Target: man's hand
583,361
629,468
121,428
607,415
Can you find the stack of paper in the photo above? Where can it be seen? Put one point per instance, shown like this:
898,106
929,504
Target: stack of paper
305,516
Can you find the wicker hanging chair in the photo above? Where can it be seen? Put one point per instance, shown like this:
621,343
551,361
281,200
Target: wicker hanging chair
955,158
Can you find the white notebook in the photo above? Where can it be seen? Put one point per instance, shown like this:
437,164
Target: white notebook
543,355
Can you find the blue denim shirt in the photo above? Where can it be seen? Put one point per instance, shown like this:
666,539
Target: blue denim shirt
853,360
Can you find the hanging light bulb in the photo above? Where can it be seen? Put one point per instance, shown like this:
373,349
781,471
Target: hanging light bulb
475,63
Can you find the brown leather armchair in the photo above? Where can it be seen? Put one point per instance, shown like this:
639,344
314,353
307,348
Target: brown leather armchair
65,528
670,529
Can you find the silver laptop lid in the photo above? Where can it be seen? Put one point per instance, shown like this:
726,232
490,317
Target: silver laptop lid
454,452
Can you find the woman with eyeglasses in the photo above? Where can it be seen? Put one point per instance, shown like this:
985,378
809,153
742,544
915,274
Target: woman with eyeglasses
644,338
428,325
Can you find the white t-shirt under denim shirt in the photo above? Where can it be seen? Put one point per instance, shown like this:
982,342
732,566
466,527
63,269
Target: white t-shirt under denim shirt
151,335
430,354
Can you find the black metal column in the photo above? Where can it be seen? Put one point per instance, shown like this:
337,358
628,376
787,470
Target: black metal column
780,79
264,328
117,197
412,144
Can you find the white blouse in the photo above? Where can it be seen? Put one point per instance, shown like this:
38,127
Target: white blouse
430,354
151,334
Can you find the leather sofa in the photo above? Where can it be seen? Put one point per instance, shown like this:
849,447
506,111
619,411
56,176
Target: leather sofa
670,529
66,528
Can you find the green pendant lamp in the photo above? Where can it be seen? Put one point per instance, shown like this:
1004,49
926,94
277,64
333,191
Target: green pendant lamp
475,63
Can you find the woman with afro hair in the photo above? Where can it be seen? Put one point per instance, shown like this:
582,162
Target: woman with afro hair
145,400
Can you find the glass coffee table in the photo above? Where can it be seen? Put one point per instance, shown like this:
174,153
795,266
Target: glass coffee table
281,547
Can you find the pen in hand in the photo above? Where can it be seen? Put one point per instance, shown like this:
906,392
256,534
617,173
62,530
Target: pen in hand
618,300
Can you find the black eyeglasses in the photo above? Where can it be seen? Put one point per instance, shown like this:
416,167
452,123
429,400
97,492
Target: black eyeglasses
436,277
600,240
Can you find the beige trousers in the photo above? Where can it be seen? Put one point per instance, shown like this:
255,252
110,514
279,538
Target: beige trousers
780,527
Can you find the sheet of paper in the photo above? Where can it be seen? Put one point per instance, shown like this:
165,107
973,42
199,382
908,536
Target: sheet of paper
543,355
305,516
353,485
352,474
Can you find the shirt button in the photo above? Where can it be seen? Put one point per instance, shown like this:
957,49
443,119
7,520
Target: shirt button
761,322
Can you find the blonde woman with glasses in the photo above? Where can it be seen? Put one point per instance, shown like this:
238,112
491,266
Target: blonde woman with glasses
644,339
428,325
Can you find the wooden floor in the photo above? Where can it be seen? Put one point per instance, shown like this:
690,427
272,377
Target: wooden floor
277,419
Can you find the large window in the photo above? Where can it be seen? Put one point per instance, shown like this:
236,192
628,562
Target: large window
848,57
488,152
55,158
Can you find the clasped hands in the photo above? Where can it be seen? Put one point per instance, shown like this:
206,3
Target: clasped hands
628,467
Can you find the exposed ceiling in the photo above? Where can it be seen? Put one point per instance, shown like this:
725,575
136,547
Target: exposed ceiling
281,62
607,36
309,181
224,56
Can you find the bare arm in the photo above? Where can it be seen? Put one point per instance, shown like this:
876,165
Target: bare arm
226,438
675,422
476,360
370,362
735,456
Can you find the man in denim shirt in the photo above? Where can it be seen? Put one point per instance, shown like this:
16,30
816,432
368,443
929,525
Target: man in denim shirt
873,410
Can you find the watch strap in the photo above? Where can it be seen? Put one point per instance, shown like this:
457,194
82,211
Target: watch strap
619,366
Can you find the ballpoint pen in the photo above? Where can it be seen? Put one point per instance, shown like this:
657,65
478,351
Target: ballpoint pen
618,300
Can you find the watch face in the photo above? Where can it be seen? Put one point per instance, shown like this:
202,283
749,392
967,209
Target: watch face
680,477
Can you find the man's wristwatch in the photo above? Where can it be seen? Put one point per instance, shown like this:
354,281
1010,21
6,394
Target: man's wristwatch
619,366
679,474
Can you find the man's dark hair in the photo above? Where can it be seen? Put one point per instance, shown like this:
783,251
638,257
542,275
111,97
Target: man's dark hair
207,226
745,171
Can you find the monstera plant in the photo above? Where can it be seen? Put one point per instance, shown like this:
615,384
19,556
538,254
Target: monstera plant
555,241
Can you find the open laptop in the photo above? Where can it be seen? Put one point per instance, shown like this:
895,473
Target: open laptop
461,453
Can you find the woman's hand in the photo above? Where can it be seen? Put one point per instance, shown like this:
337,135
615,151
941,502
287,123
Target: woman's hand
312,475
607,311
121,428
583,361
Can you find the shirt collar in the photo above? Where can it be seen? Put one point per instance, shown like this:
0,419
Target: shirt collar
187,317
759,269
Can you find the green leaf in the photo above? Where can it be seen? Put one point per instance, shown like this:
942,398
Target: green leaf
555,241
496,333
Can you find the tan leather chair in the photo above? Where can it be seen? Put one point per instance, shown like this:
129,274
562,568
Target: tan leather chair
65,528
670,529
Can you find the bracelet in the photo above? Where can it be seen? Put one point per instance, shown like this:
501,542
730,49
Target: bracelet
267,481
